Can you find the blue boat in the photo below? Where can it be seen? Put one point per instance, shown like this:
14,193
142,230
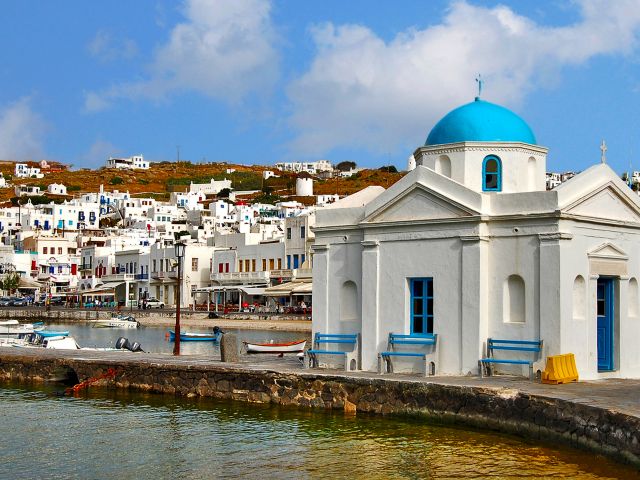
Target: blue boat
196,337
52,333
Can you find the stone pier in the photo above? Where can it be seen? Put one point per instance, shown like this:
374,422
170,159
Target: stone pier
601,416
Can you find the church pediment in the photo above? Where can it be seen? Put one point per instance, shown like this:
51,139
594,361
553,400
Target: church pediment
419,203
609,251
607,203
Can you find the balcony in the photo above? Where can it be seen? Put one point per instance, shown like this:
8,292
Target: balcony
142,276
240,277
43,276
85,267
164,275
118,277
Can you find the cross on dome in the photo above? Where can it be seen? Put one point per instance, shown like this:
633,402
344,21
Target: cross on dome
480,83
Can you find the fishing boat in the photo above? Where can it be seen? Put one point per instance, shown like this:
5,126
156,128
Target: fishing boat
195,336
117,321
287,347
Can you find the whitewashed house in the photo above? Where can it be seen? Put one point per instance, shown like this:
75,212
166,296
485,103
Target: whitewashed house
57,189
470,245
23,170
136,162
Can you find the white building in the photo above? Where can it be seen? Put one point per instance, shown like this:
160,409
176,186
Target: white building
470,245
311,168
25,171
212,188
28,190
136,162
57,189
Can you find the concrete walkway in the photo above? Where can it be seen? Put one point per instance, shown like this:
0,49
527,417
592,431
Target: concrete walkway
615,395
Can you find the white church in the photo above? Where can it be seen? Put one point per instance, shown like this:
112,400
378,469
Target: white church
470,245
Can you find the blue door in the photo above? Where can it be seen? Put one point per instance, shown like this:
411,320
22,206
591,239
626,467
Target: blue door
605,324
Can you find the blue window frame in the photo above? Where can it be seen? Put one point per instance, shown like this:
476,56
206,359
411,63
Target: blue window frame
421,290
289,262
491,174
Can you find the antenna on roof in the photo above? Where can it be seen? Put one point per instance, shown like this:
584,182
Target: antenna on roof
480,83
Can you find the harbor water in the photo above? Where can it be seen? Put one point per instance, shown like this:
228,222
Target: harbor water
155,339
120,435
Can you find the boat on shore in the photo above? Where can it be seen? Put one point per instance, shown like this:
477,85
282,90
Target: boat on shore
286,347
196,336
116,321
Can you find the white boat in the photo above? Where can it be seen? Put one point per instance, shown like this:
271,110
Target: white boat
69,343
117,321
14,328
288,347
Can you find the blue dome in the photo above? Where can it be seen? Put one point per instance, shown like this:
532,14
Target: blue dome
480,121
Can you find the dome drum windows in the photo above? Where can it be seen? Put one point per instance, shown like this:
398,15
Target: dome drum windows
491,174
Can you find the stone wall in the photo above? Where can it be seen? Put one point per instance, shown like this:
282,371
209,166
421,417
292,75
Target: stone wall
504,410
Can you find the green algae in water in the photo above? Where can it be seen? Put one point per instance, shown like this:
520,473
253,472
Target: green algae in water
119,435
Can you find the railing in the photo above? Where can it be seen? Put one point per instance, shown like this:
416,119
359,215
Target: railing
142,276
254,277
43,276
118,277
164,275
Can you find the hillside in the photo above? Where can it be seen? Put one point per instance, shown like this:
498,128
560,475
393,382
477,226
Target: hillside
165,177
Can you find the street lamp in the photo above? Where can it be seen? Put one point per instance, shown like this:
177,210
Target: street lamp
180,247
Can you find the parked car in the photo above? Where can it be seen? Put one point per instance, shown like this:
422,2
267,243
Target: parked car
18,302
58,300
5,302
154,303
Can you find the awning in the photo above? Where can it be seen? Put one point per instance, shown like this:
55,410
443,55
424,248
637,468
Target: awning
26,282
105,288
304,289
253,290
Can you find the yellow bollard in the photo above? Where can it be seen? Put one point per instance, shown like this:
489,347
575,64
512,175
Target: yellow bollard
560,369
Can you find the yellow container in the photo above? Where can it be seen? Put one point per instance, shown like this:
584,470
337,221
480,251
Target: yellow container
560,369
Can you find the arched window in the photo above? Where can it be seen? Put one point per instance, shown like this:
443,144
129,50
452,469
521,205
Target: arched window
491,174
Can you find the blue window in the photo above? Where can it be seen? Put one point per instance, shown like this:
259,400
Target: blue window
289,262
296,259
491,174
302,232
301,259
421,305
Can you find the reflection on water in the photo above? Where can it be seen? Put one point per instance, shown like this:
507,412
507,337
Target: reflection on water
118,435
155,339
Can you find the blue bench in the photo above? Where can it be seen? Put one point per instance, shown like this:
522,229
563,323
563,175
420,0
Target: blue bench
418,339
526,346
351,357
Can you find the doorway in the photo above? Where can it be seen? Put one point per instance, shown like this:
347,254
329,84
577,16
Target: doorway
605,315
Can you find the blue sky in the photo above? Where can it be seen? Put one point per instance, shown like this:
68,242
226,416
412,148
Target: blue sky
256,82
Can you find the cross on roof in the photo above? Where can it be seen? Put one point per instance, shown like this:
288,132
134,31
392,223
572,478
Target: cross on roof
480,83
603,149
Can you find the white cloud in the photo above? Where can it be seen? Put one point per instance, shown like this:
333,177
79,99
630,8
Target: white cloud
21,131
361,91
105,47
224,49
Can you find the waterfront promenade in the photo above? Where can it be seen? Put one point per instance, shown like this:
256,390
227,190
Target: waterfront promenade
603,416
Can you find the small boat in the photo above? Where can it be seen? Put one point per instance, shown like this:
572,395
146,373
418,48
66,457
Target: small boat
196,336
117,321
287,347
14,328
52,333
36,340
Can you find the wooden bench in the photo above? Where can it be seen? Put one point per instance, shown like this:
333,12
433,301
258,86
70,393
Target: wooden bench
421,339
351,357
526,346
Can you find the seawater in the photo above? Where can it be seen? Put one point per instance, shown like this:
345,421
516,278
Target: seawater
119,435
155,339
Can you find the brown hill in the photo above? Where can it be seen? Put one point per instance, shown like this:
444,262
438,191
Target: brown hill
165,177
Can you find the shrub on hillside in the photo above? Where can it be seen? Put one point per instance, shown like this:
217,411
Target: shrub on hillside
74,188
116,180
